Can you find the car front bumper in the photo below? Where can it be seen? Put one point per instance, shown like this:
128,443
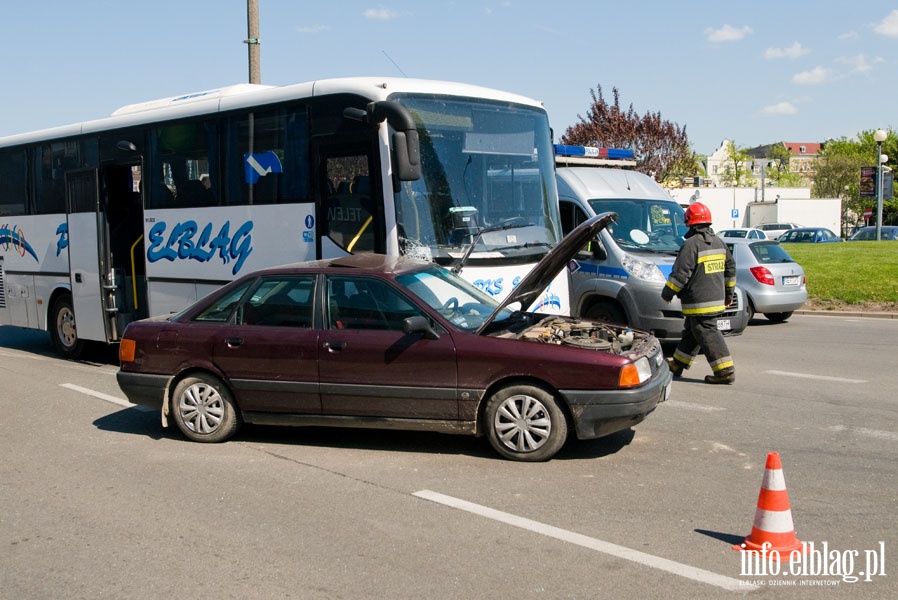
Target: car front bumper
598,413
142,388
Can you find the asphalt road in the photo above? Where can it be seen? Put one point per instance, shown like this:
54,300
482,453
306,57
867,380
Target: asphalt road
98,500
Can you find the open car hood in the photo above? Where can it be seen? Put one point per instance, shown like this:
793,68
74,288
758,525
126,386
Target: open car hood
539,278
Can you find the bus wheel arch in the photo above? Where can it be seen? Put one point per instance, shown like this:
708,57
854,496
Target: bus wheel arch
62,326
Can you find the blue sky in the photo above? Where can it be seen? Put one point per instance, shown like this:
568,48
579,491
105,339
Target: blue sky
755,72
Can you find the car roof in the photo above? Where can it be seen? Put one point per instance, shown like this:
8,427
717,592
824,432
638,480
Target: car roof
358,263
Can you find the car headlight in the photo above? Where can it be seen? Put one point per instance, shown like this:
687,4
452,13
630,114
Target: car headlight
640,269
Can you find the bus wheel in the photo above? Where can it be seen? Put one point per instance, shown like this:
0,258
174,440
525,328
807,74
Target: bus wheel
63,332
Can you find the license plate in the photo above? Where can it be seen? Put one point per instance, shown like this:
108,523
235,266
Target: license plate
791,280
723,324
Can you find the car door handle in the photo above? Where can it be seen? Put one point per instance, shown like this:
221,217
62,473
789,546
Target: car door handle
234,342
334,346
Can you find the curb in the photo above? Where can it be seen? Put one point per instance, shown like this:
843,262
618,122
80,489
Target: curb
848,313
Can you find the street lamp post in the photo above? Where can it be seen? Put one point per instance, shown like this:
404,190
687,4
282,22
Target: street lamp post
880,136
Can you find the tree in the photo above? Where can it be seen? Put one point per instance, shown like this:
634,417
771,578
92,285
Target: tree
781,174
661,147
736,170
838,172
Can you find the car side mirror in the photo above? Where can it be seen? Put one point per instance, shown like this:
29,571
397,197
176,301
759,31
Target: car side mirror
419,324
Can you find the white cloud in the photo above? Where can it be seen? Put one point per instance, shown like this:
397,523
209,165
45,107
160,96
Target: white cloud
888,26
815,76
381,14
778,109
313,29
859,63
794,51
727,33
848,35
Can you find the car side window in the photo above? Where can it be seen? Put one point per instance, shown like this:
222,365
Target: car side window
221,310
280,301
366,303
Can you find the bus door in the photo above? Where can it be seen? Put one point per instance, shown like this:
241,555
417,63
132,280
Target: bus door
105,233
87,247
351,216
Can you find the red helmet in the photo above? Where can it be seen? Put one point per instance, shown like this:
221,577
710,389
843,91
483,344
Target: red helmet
698,214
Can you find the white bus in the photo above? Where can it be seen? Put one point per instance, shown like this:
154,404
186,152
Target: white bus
146,211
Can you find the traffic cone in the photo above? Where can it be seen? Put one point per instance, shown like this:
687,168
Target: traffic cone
773,518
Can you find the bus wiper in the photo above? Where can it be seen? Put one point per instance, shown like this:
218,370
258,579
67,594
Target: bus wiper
524,245
515,224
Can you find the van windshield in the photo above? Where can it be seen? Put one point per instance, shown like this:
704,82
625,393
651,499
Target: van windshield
644,225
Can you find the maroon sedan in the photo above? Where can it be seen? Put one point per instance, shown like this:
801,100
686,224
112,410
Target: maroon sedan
374,341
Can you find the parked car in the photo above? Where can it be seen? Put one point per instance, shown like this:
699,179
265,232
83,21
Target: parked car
373,341
887,232
808,235
774,230
750,233
775,285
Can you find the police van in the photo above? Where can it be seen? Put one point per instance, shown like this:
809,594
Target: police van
621,276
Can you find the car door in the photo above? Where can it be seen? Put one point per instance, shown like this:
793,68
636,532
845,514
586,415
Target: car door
369,367
268,352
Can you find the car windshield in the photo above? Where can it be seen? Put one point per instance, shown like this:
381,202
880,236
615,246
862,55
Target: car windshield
770,252
485,166
652,226
465,306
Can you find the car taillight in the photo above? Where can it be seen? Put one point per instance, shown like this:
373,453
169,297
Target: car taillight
763,275
126,350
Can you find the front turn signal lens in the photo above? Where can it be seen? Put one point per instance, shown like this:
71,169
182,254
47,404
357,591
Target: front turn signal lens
126,350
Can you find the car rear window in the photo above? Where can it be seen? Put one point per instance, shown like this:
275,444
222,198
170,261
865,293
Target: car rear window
770,252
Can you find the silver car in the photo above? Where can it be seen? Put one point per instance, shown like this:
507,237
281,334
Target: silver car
773,282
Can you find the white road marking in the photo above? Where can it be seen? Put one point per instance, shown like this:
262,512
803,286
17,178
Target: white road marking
883,435
691,406
655,562
818,377
101,396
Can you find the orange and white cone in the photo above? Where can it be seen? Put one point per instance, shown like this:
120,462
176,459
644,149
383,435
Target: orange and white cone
773,518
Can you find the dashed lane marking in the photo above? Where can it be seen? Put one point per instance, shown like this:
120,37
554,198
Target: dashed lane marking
817,377
102,396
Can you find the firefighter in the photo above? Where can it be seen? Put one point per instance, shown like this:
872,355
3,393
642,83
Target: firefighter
704,278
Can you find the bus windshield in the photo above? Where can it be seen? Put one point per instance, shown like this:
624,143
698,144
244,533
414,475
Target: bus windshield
645,225
487,169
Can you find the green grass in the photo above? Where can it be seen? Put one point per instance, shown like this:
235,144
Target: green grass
852,272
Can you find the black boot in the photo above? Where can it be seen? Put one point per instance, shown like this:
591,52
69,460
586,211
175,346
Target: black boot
676,367
724,379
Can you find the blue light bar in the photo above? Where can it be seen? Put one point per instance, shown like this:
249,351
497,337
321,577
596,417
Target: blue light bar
593,152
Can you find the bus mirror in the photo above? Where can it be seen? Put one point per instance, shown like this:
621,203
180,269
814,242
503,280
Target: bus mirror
406,155
406,148
594,249
126,146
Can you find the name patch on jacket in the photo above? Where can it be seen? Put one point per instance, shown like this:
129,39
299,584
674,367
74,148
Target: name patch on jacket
713,263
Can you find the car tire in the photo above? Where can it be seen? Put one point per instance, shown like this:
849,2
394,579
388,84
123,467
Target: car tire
607,311
63,332
204,409
525,423
778,317
749,310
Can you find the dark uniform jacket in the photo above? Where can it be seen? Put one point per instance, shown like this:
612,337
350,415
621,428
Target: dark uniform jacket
704,274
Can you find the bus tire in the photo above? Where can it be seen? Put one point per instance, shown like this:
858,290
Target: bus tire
63,332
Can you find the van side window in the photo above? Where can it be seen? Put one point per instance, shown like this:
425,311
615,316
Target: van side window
571,216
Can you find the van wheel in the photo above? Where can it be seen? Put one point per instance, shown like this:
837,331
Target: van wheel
63,333
607,311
